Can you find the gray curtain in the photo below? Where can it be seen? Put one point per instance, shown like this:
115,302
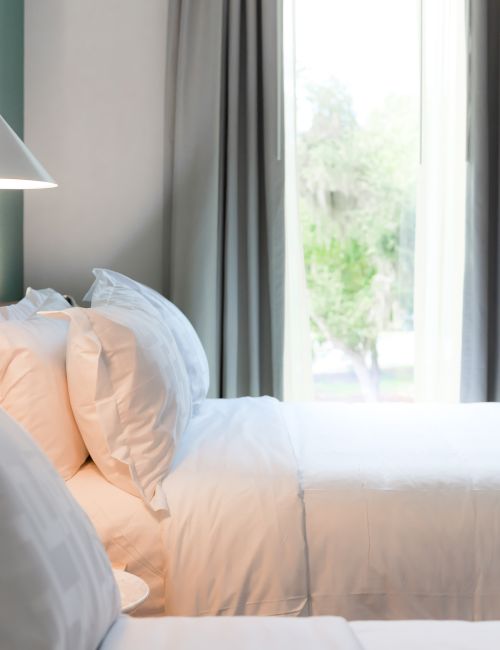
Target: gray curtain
481,333
224,230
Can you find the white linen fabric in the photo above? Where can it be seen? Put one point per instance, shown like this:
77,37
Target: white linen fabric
401,503
35,300
233,540
315,633
34,389
427,635
114,288
128,529
365,511
56,585
130,393
248,633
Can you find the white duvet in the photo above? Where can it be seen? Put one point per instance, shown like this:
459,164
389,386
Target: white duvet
324,633
247,633
362,511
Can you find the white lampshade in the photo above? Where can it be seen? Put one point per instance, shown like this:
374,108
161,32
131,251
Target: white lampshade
19,169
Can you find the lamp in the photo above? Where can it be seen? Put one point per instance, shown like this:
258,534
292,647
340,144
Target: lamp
19,169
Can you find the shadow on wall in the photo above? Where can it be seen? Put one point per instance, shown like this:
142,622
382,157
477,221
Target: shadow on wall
135,256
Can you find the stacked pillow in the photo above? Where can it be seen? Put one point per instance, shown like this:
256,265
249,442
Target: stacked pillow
119,380
135,370
56,584
129,369
33,385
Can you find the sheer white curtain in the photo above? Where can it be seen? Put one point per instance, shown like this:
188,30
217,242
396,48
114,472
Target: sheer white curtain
297,379
440,225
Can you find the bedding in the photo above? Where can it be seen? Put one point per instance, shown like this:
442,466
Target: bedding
129,530
129,392
427,635
233,540
363,511
322,633
45,535
114,288
402,508
57,589
327,633
34,301
34,390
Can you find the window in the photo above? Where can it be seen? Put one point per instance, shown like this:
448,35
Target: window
366,194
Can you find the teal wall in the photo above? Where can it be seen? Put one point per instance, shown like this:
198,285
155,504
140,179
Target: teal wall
12,109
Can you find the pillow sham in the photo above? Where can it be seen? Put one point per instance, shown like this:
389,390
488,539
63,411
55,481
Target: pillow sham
111,287
35,300
130,394
56,584
34,389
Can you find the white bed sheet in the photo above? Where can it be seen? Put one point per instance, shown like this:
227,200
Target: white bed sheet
248,633
233,540
314,633
130,532
427,635
402,509
378,512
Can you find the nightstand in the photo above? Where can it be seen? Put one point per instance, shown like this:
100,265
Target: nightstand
133,590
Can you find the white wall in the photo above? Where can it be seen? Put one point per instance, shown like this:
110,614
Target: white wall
94,116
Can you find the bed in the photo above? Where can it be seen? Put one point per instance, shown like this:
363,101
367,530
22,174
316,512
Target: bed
59,590
251,506
324,633
361,511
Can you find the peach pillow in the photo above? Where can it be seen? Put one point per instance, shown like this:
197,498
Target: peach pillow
34,390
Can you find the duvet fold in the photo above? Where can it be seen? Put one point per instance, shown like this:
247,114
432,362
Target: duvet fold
234,538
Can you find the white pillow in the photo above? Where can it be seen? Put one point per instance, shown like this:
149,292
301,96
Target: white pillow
35,300
57,588
185,335
34,389
130,394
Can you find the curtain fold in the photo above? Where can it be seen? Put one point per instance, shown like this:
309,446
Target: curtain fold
224,227
481,318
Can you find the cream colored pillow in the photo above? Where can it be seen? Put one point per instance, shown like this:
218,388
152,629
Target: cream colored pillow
130,394
34,300
34,390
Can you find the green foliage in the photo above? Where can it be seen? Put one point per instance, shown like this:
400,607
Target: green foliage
357,189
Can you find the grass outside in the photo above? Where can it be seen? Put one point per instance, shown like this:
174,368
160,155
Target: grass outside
396,385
